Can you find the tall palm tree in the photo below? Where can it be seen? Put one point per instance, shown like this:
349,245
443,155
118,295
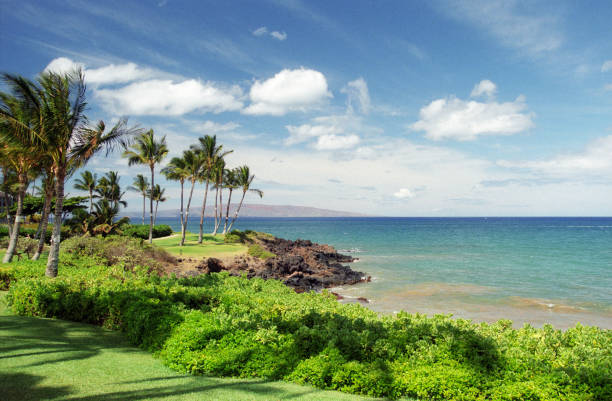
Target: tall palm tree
48,189
158,196
108,188
16,116
244,179
230,183
217,176
147,151
87,182
193,165
211,153
141,185
176,171
62,133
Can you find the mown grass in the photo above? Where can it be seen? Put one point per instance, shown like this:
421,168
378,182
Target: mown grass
212,246
45,359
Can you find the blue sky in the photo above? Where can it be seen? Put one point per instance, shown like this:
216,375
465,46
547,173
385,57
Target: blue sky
405,108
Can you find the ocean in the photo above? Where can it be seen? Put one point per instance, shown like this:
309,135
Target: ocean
529,270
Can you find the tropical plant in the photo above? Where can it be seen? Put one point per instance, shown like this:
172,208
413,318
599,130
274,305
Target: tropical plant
147,151
108,188
211,153
244,179
88,183
230,183
48,189
176,171
141,185
158,196
193,165
217,174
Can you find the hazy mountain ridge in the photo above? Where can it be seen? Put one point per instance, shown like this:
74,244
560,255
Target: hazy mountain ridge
258,210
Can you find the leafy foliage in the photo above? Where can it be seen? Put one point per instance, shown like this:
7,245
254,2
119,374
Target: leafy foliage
258,251
142,230
223,325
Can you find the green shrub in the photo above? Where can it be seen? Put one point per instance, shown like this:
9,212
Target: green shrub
218,324
31,232
258,251
142,230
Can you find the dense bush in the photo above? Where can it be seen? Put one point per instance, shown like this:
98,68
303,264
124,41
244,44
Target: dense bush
112,250
258,251
142,230
31,232
223,325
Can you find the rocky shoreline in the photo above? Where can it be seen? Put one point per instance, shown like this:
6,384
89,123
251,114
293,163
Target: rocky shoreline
301,264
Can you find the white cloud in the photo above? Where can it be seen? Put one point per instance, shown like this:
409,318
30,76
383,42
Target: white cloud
336,142
212,127
357,93
289,90
514,24
484,87
260,31
606,66
404,193
594,159
62,65
278,35
121,73
165,97
302,133
463,120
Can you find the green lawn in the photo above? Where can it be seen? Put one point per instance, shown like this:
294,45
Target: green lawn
210,247
48,359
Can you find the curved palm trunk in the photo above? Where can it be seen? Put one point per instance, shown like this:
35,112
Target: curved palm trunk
44,222
215,214
155,216
144,206
90,200
237,211
229,200
53,259
8,256
220,216
182,196
202,213
184,227
151,203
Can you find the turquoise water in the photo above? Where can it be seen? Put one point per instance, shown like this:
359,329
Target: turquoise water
535,270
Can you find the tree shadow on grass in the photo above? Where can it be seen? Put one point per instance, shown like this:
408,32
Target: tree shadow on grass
22,387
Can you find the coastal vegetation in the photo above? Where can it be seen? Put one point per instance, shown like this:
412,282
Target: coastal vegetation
222,325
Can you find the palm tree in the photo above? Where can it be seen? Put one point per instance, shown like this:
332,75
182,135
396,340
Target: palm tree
48,189
158,196
87,183
176,171
193,165
108,188
211,153
217,177
141,184
244,179
230,183
147,151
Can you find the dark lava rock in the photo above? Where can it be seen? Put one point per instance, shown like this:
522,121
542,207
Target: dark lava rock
210,265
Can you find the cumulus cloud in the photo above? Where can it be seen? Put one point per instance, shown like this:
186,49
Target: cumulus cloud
165,97
404,193
594,159
357,95
110,74
212,127
289,90
336,142
606,66
278,35
305,132
260,31
484,87
465,120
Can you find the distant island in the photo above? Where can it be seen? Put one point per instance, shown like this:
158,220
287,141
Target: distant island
259,210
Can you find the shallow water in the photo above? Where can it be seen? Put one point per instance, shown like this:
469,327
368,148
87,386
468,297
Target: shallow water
529,270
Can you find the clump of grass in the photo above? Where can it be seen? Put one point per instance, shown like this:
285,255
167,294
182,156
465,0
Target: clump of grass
257,251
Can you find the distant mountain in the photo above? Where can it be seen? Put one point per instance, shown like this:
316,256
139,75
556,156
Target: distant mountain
249,210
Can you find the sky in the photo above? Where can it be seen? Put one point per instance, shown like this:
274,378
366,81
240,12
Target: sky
395,108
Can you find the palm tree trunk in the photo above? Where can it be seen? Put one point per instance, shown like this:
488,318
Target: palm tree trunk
237,211
184,228
90,200
144,206
6,202
8,256
151,203
53,259
229,200
216,203
202,214
182,208
155,217
220,216
44,222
